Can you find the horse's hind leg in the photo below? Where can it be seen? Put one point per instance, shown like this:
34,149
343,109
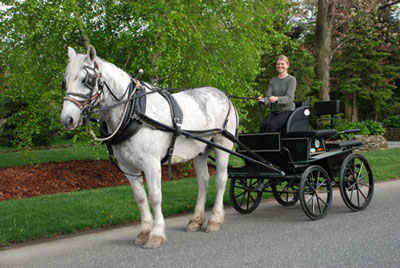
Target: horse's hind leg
145,214
217,215
200,164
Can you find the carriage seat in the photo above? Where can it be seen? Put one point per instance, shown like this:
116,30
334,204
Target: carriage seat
298,124
326,108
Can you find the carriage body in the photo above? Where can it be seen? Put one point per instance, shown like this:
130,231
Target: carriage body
311,163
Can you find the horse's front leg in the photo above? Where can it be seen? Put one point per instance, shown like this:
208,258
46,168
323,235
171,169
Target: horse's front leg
145,215
153,178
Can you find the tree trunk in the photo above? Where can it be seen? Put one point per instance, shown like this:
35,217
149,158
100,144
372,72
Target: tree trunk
351,107
347,107
354,110
322,49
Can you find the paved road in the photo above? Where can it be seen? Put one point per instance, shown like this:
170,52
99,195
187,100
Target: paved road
272,236
393,144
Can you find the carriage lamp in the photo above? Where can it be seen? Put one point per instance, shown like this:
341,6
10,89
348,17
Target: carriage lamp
317,144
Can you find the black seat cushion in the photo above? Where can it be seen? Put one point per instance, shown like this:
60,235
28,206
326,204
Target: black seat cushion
324,133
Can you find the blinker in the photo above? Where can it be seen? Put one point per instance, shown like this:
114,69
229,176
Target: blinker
90,81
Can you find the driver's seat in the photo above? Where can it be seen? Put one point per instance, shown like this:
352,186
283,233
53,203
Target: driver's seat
298,124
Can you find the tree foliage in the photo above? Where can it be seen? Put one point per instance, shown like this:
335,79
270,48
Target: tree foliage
363,70
182,43
361,76
358,26
178,44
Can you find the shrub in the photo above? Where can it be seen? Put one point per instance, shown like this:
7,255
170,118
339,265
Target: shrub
375,128
392,121
342,124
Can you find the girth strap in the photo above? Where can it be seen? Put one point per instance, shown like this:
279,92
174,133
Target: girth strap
177,118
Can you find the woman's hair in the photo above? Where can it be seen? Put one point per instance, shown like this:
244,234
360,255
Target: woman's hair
283,58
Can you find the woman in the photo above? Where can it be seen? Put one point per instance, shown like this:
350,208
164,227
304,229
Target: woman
281,96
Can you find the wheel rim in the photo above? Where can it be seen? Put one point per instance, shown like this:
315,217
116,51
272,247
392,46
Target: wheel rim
315,192
356,182
286,193
245,194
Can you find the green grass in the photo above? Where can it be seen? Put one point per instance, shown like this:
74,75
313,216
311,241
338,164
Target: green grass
66,213
57,141
385,164
52,155
69,212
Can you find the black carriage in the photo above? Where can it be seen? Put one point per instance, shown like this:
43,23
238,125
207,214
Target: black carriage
301,164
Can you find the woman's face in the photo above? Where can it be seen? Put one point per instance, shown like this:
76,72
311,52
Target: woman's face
281,66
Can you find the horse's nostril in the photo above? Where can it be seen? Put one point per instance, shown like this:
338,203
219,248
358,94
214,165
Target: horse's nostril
66,120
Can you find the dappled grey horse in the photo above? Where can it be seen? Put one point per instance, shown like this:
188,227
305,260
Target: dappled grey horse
202,109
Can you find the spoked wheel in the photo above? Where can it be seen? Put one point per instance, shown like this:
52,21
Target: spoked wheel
315,192
245,194
287,194
356,182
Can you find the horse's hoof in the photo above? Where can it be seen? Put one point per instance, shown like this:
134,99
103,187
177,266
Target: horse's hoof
142,238
213,227
194,226
155,242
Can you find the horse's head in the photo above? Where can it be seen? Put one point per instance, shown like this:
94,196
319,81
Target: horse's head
83,86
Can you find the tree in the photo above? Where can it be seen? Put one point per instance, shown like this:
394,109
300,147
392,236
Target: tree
322,48
363,69
178,43
33,34
361,75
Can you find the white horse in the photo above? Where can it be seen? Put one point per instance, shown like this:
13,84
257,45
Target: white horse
203,108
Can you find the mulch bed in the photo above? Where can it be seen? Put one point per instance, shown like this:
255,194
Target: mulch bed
58,177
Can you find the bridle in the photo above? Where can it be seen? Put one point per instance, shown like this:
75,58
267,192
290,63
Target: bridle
92,79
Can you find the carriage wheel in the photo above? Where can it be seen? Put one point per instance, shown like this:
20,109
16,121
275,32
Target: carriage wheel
356,182
315,192
287,195
245,194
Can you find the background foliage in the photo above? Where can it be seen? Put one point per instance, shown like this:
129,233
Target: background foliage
192,43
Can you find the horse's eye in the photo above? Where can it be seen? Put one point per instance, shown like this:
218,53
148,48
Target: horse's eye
64,85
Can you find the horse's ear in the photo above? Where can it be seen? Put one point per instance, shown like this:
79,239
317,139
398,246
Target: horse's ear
71,53
91,52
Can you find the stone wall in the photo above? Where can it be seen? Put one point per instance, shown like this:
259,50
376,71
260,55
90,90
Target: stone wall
392,134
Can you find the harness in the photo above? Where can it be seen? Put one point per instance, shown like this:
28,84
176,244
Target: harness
134,114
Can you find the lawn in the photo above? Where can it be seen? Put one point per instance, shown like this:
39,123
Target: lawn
69,212
35,157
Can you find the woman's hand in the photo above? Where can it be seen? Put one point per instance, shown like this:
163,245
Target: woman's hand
260,99
273,99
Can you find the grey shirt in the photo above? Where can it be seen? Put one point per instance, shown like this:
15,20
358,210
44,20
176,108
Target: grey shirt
284,89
